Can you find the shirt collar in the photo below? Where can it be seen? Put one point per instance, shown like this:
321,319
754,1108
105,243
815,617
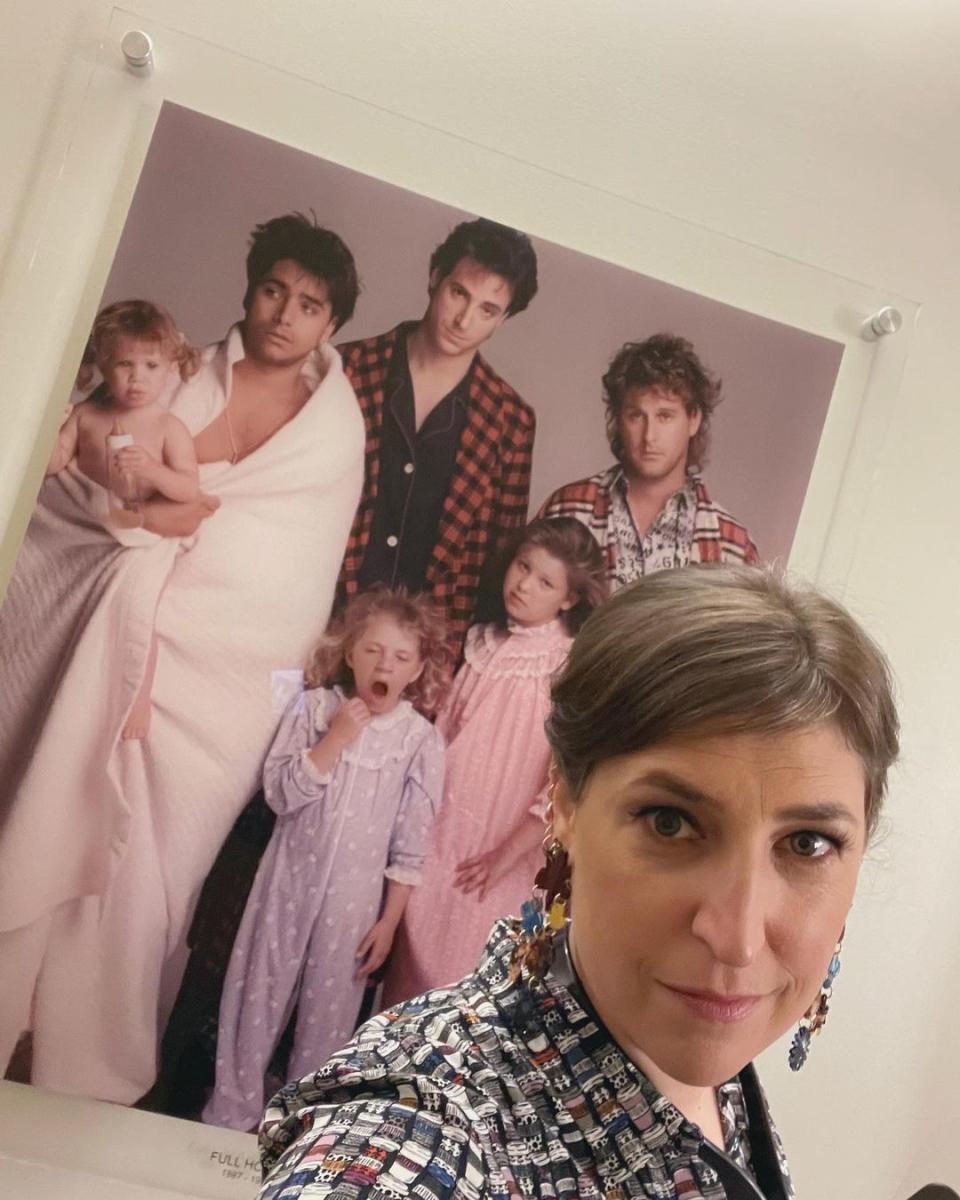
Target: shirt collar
459,393
686,495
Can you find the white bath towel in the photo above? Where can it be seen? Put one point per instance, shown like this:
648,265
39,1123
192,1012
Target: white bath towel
243,598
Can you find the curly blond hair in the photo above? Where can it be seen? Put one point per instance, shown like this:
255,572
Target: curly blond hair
144,321
414,614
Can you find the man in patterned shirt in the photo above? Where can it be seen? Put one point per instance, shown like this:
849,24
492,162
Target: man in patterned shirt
449,442
651,510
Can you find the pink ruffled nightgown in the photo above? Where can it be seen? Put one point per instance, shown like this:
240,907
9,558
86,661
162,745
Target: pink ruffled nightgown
496,770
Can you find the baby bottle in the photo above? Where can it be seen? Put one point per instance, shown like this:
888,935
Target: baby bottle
126,506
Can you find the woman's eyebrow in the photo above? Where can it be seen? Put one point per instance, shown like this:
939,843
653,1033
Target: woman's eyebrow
818,812
674,784
668,782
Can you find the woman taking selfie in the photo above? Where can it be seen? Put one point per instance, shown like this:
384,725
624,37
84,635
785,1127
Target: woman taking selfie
721,741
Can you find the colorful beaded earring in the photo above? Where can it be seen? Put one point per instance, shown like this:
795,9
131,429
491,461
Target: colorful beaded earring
814,1019
545,915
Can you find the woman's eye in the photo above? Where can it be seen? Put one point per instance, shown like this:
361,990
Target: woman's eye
669,823
807,844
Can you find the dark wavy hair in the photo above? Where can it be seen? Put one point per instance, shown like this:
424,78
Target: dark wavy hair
669,363
500,249
568,540
320,251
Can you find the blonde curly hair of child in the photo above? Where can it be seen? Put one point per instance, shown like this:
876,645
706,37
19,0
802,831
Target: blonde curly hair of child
143,321
416,614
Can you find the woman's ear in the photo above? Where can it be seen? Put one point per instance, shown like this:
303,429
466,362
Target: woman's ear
564,813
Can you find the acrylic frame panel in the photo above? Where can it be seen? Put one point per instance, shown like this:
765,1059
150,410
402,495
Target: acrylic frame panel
78,206
71,228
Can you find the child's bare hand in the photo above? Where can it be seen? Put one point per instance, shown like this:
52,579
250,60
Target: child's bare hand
350,720
134,460
373,950
478,874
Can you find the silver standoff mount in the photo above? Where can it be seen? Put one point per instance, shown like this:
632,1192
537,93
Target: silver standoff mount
137,48
883,323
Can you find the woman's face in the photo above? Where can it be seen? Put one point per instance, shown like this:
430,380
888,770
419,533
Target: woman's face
711,878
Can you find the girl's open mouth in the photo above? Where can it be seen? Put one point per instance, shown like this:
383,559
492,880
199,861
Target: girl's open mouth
379,689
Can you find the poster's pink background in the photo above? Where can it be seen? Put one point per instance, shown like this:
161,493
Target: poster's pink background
205,184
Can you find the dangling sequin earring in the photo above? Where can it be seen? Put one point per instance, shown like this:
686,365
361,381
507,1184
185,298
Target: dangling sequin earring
543,916
814,1019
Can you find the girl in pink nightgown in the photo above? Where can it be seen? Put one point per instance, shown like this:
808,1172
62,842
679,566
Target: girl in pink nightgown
485,843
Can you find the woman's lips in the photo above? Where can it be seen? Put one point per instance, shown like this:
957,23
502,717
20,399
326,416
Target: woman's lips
714,1006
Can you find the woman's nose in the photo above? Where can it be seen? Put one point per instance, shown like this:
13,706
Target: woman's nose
731,917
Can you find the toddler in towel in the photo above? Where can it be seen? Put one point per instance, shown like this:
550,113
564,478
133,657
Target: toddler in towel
123,438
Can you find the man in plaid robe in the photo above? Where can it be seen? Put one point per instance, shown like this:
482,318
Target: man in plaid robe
449,442
651,511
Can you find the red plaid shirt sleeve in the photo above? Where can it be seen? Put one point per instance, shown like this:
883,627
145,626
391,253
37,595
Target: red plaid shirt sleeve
517,461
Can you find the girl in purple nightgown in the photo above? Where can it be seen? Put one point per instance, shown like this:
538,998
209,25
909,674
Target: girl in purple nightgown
355,776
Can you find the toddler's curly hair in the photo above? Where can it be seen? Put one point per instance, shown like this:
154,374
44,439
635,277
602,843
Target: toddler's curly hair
416,614
143,321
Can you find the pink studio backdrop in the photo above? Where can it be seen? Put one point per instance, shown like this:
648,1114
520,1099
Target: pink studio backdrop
205,184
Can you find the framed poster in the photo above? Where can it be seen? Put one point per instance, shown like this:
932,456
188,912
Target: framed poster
154,189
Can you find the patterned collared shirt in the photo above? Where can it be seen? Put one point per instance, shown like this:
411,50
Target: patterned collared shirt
496,1088
716,536
665,544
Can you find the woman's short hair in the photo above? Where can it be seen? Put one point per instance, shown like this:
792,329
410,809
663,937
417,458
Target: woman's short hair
721,649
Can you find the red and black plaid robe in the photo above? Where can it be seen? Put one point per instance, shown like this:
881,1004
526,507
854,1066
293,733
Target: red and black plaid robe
489,492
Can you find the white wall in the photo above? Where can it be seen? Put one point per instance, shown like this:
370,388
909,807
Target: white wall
823,131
